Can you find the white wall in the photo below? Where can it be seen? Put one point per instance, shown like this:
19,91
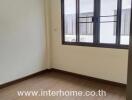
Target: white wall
104,63
22,38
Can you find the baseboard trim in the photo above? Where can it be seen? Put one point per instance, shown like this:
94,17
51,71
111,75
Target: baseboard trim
24,78
91,78
64,72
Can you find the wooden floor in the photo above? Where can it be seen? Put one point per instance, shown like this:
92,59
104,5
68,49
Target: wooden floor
57,81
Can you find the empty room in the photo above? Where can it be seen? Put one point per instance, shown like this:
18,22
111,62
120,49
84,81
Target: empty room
65,50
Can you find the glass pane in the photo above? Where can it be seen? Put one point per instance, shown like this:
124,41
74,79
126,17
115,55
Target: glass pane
108,33
86,32
86,29
125,22
70,20
85,19
86,8
108,29
110,18
108,7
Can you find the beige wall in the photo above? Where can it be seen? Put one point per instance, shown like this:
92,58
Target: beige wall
22,38
104,63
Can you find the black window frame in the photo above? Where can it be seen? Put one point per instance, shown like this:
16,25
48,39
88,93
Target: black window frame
96,30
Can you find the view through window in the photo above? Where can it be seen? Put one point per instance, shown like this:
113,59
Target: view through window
100,22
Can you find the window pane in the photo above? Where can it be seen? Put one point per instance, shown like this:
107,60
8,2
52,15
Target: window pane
86,7
108,18
125,21
70,20
86,28
86,32
108,7
108,29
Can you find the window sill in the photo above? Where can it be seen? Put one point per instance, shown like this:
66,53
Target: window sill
97,45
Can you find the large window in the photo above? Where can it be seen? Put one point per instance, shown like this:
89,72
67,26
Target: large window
101,23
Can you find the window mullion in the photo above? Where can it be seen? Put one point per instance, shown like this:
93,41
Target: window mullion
62,19
118,25
96,29
77,20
